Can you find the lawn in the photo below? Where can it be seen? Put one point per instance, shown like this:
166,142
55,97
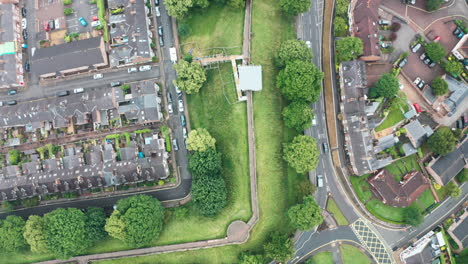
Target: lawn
426,199
324,257
394,116
403,166
352,255
333,208
385,212
361,187
217,26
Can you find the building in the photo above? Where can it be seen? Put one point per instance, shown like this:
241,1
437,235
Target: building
69,58
444,168
417,133
130,37
357,122
427,249
402,194
11,57
364,25
250,77
460,51
457,102
459,230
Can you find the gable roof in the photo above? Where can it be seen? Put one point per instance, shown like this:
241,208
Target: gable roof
366,27
416,133
448,166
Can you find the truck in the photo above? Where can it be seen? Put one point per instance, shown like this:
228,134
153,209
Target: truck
173,54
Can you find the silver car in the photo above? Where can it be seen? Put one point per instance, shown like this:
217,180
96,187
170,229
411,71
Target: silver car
181,105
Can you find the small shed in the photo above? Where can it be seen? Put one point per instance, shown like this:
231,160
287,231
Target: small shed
250,77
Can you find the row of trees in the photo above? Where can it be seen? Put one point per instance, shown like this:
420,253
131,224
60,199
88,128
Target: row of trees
182,8
67,232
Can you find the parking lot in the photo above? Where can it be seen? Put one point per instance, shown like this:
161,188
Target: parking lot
81,9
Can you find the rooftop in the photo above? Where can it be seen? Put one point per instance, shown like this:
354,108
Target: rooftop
447,167
416,133
250,77
365,26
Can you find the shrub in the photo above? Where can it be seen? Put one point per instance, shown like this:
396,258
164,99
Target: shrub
67,11
67,2
161,182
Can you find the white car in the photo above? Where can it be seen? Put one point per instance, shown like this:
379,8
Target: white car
181,105
95,23
130,70
98,76
417,81
308,44
145,68
184,132
24,23
78,90
158,13
169,109
319,181
314,121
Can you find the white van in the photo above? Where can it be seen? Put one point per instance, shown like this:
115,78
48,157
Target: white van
319,181
78,90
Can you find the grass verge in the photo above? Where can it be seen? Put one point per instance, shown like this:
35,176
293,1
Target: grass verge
333,208
324,257
352,255
426,199
102,18
403,166
385,212
362,187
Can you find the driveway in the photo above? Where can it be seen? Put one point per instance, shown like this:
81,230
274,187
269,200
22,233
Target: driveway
416,68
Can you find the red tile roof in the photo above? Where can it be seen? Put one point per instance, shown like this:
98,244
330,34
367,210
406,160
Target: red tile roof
366,27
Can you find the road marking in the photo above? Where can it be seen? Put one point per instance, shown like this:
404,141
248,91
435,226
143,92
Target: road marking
372,242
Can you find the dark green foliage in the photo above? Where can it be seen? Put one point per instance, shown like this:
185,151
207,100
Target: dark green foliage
11,234
294,7
462,176
209,194
348,48
184,30
300,81
433,5
305,215
279,247
387,85
95,222
250,258
205,162
443,141
453,67
14,156
435,51
439,86
302,153
340,27
298,115
453,189
412,215
292,50
341,8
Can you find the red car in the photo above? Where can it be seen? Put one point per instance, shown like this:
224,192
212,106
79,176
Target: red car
95,18
46,26
417,107
437,39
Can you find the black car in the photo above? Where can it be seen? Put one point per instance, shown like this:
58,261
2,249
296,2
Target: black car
23,12
63,93
12,102
427,61
12,92
51,24
25,35
403,62
115,84
27,66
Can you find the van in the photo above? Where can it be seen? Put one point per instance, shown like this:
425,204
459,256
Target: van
319,181
78,90
63,93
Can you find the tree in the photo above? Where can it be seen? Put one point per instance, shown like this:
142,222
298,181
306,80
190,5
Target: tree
302,153
340,26
292,50
178,8
305,188
67,11
35,234
305,215
294,7
8,206
348,48
387,85
443,141
67,2
209,194
453,67
183,29
439,86
14,156
298,115
137,221
11,232
433,5
205,162
190,76
300,80
412,215
435,51
250,258
66,232
236,3
341,9
453,189
95,222
462,176
279,247
200,140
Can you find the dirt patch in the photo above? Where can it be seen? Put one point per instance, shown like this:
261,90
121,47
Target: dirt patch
57,37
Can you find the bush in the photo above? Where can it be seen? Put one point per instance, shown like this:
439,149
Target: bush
184,30
14,156
68,11
154,59
67,2
161,182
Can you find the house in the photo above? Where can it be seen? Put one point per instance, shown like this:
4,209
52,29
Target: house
427,249
417,133
69,58
459,230
457,101
11,56
444,168
460,51
402,194
357,122
364,25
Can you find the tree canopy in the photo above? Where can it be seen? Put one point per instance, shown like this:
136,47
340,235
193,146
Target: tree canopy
14,156
249,258
11,233
190,76
209,194
137,221
387,85
291,50
412,215
435,51
341,8
66,232
305,215
294,7
302,153
205,162
433,5
279,247
340,26
298,115
443,141
300,80
454,67
462,176
348,48
95,222
35,234
178,8
453,189
439,86
200,140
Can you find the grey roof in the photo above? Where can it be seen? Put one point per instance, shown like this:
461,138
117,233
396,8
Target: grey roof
11,68
459,93
424,257
128,153
409,149
410,114
250,77
371,108
461,232
76,54
428,93
447,167
416,133
385,143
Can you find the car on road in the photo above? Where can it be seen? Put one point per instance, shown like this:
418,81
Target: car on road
421,84
169,98
158,12
179,92
325,147
82,21
403,62
145,68
98,76
184,132
416,47
1,103
309,45
25,35
23,11
156,2
78,90
12,102
181,105
27,66
24,23
319,181
12,92
115,84
314,121
182,120
417,81
161,41
175,145
417,108
160,31
133,69
169,108
63,93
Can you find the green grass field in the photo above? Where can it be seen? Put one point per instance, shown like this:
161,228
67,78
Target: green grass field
333,208
361,187
394,116
403,166
352,255
385,212
324,257
426,199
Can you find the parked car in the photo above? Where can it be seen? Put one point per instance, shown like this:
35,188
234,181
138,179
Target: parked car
417,108
459,124
57,23
184,132
403,63
386,44
145,68
309,45
63,93
423,56
437,39
460,35
12,102
325,147
24,23
95,23
179,92
175,145
158,12
161,42
319,181
12,92
432,65
115,84
314,121
182,120
427,61
46,26
169,108
98,76
1,103
169,98
27,66
417,81
25,35
421,84
51,24
160,31
23,11
94,18
130,70
156,2
181,105
413,2
465,120
457,31
78,90
82,21
416,47
384,22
